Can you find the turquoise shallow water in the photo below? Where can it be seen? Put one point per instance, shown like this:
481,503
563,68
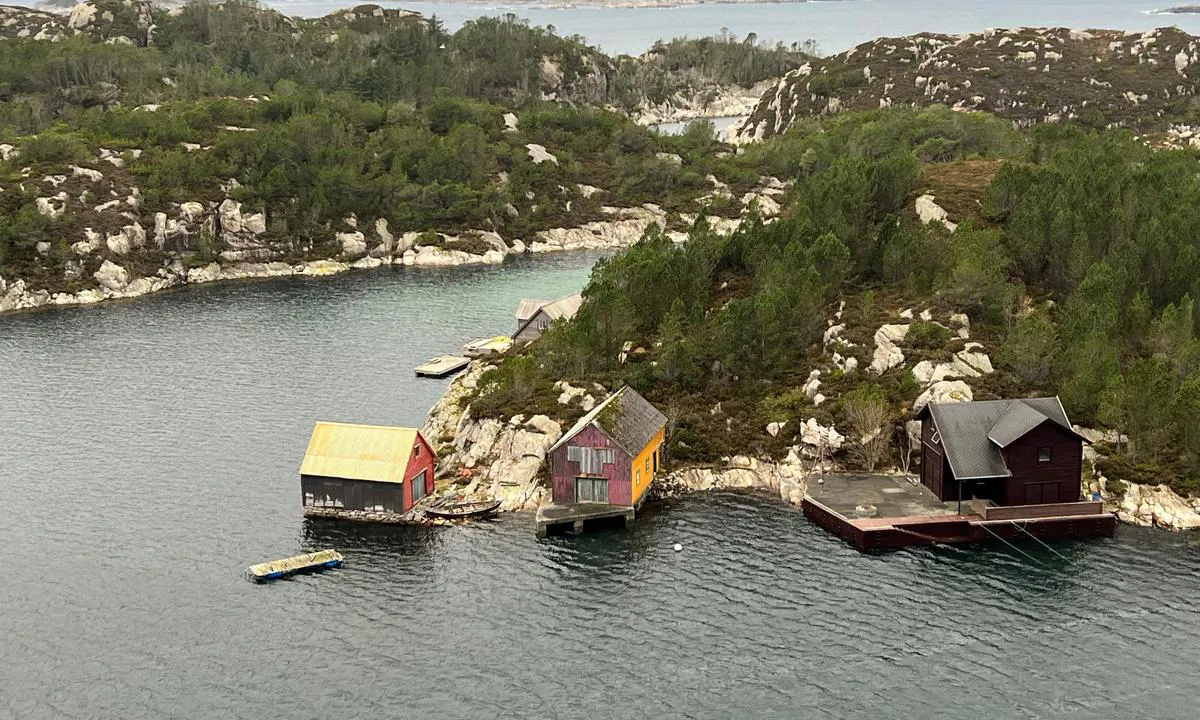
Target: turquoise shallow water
148,453
835,25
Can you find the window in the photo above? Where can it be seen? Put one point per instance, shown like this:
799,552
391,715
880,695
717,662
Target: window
591,460
655,456
543,323
1043,454
417,450
308,499
647,466
591,490
418,487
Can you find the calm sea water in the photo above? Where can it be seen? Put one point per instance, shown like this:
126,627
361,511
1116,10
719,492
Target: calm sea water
148,453
835,25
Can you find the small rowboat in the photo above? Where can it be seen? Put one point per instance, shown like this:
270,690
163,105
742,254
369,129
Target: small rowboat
311,562
463,510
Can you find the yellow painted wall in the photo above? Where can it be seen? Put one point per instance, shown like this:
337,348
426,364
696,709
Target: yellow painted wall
641,478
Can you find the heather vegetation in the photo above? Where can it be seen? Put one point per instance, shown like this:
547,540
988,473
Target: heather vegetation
1078,272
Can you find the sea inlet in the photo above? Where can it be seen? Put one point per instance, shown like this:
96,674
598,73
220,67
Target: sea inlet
148,452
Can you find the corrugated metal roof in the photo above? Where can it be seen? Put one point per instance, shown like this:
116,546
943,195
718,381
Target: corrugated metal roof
626,417
359,452
972,432
527,308
564,307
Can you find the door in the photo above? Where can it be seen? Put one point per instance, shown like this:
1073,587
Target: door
591,490
1033,494
418,487
1050,493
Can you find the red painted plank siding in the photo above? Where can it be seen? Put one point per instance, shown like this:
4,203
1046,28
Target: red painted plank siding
619,474
421,460
1034,483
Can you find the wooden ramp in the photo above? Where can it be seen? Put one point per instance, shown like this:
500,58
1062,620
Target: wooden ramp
310,562
442,366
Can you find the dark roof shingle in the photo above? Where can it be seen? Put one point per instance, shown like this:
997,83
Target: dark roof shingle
973,433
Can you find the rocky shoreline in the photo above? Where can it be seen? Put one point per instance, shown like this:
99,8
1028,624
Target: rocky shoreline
492,458
360,251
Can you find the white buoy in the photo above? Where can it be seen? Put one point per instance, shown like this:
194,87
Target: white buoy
678,547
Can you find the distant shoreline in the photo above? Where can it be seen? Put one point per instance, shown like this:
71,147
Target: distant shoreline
1180,10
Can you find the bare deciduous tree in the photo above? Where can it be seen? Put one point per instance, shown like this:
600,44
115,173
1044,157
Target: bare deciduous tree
866,411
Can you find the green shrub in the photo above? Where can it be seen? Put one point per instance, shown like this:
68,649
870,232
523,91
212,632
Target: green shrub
924,335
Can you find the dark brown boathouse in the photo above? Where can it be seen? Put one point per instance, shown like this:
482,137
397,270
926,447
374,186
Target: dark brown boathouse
1013,452
990,470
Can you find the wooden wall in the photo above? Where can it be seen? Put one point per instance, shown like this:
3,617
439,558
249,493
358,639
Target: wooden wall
421,460
353,494
935,468
620,489
1035,483
641,476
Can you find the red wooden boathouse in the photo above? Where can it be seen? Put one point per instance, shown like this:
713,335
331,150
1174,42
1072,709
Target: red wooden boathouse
364,468
612,454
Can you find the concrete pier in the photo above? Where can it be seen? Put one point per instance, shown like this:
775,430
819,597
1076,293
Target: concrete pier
576,517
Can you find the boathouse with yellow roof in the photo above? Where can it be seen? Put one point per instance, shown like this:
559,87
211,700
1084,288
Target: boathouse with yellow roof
366,468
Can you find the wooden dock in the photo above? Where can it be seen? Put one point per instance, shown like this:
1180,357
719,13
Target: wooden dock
576,517
442,366
874,512
487,347
310,562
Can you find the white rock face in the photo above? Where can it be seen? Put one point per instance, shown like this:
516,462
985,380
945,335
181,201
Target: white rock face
93,175
52,207
354,245
812,384
230,214
538,154
773,428
118,244
81,16
387,242
191,210
929,211
1158,506
255,224
887,354
944,391
788,478
510,122
112,276
814,434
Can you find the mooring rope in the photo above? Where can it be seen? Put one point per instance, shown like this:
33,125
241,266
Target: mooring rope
1040,542
1014,547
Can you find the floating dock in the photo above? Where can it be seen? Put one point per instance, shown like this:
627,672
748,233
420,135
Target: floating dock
576,517
881,512
311,562
442,366
486,347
